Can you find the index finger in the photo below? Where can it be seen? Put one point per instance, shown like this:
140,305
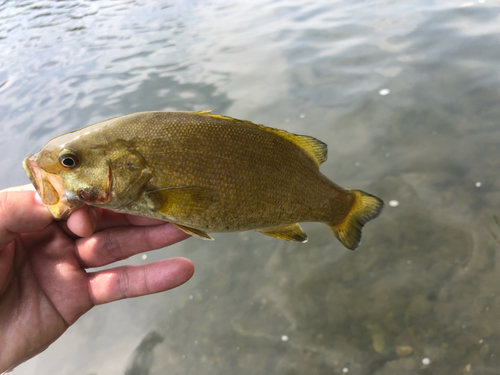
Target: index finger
110,219
87,220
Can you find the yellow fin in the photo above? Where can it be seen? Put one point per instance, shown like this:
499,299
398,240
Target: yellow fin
313,147
182,201
291,232
194,232
208,113
365,208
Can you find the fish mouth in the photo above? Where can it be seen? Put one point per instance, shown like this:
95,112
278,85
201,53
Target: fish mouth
40,180
50,188
33,174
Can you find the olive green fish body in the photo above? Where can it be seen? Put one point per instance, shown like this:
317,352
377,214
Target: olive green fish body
205,173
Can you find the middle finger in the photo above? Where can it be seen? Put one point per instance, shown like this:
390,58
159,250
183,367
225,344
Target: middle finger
120,243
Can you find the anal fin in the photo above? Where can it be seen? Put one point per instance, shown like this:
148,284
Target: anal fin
292,232
194,232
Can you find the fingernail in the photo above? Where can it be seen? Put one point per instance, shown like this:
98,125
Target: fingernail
38,199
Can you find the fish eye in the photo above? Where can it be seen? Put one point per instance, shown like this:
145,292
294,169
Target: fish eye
68,160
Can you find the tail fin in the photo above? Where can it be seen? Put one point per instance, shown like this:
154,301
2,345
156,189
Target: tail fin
366,207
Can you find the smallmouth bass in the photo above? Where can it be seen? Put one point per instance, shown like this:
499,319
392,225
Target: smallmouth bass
201,171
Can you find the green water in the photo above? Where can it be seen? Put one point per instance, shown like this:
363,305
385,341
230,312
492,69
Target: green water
421,295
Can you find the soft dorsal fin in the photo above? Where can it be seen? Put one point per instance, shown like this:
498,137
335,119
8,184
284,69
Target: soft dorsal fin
313,147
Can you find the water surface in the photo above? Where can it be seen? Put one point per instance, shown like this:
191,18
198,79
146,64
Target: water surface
406,96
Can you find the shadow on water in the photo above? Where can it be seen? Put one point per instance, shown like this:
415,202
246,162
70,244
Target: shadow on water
143,357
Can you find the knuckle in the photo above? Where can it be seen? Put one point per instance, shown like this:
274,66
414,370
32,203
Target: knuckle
124,282
113,247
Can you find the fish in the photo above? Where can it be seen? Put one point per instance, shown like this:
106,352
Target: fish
203,172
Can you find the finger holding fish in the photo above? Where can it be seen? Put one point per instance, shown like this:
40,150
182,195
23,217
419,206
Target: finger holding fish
83,222
110,219
119,243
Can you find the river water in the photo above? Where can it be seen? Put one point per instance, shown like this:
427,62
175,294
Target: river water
406,95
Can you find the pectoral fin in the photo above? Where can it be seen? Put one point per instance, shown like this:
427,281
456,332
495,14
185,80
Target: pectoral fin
181,202
195,232
291,232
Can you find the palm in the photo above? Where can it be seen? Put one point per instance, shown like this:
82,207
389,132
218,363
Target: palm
44,285
47,289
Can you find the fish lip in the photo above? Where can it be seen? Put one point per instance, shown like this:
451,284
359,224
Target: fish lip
32,171
41,181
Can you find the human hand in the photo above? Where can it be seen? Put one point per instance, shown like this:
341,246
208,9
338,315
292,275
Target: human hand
44,285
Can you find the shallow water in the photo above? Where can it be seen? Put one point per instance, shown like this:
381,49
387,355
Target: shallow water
406,96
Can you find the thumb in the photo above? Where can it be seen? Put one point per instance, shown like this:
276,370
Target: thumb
20,213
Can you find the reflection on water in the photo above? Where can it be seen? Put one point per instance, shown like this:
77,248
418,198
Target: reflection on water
406,96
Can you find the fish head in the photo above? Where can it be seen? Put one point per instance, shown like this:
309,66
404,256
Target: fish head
68,175
85,167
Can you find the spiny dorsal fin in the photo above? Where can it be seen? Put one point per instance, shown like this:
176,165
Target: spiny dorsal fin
313,147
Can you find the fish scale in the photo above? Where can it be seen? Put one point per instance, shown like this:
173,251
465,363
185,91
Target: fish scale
203,172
